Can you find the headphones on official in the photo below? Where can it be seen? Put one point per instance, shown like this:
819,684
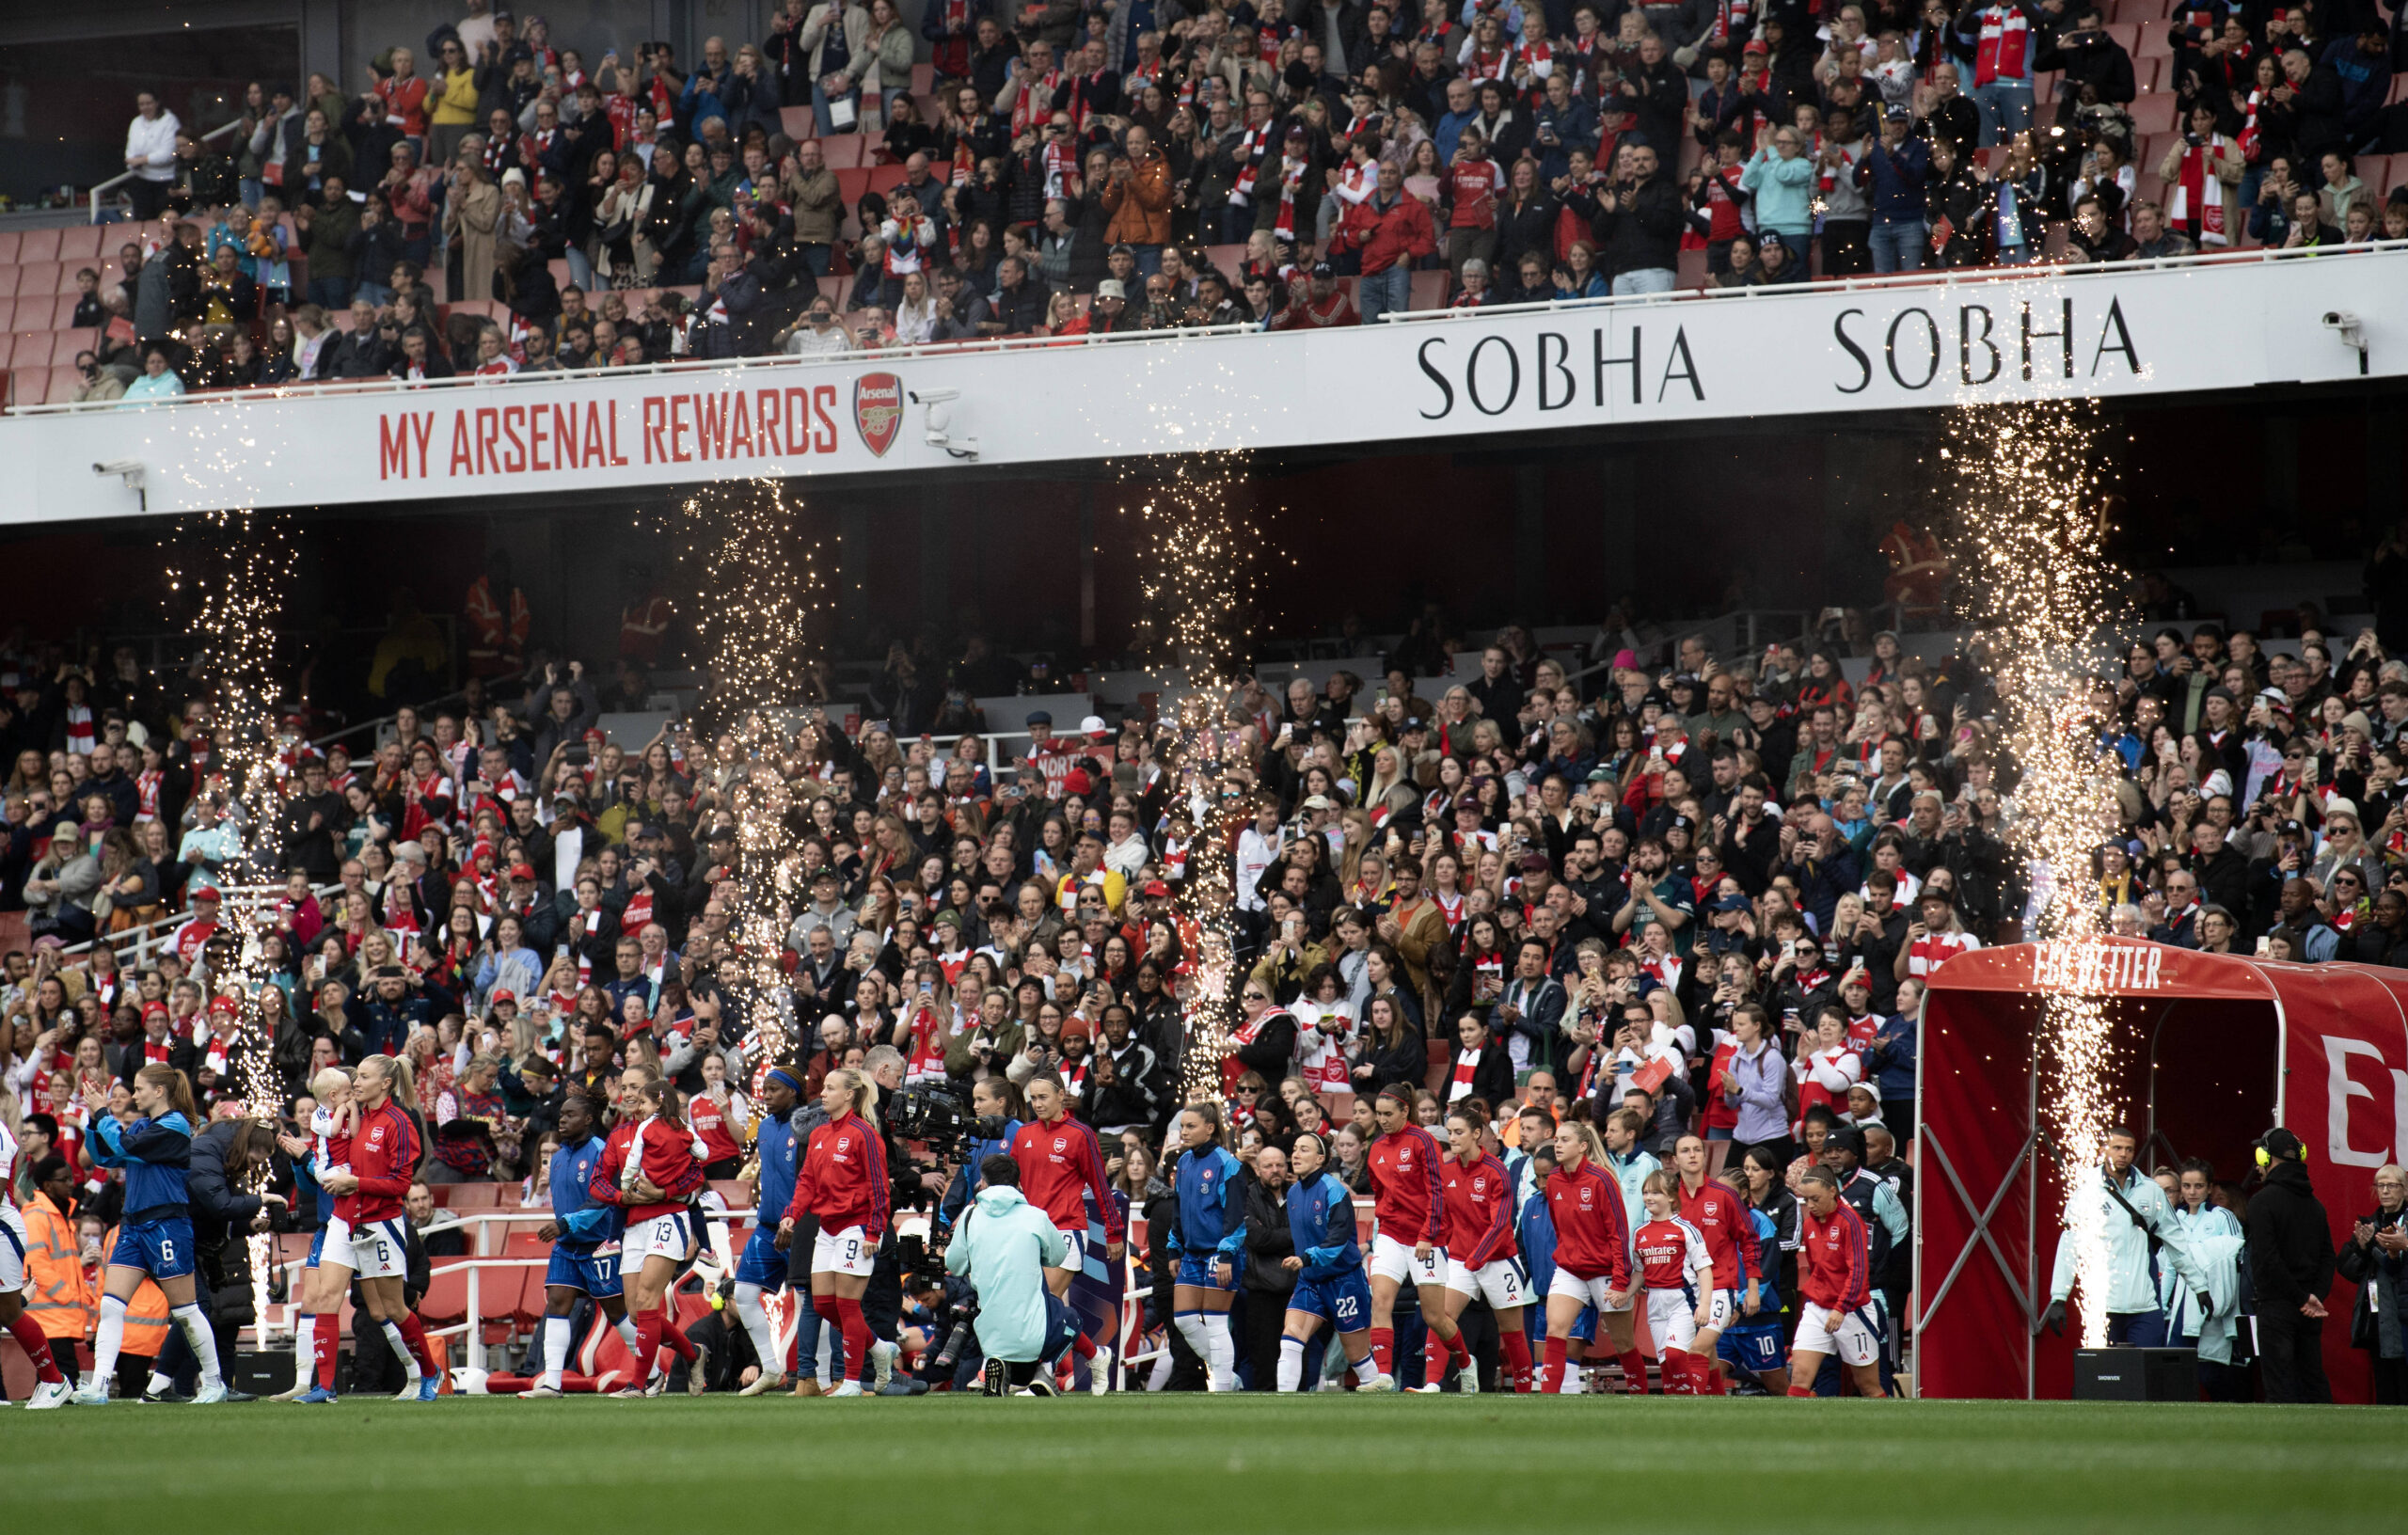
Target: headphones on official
2265,1159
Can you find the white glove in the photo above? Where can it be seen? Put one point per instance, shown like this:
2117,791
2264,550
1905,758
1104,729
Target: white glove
1684,57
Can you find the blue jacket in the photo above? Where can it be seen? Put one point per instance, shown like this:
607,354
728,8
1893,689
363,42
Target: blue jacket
1893,1055
1536,1234
1211,1212
155,1156
780,1150
584,1223
965,1179
1321,1219
1895,182
1784,191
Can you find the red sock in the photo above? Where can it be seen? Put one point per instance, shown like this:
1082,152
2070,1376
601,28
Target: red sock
1634,1370
1438,1358
1517,1360
1082,1346
856,1327
329,1341
36,1343
414,1334
1460,1347
1551,1378
675,1335
1707,1375
1384,1350
647,1344
1797,1390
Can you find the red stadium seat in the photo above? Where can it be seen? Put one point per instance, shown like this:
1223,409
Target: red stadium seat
446,1292
35,350
62,382
80,243
8,281
1430,290
844,151
796,121
39,245
10,241
885,179
2128,34
37,278
1692,269
2157,40
2147,72
923,79
1229,259
2154,113
851,184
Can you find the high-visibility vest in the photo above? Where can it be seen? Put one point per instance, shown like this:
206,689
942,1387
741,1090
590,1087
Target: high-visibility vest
60,1296
145,1315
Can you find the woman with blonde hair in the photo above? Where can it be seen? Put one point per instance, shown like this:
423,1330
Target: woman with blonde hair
650,1166
842,1184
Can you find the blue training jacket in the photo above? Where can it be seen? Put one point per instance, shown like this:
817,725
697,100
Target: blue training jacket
584,1222
1320,1219
1212,1218
779,1148
154,1154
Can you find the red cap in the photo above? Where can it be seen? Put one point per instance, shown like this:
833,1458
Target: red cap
500,997
1077,782
523,871
1755,45
223,1005
149,1008
204,893
1154,889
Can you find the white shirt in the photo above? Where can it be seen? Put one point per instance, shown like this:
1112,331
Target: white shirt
1256,853
154,141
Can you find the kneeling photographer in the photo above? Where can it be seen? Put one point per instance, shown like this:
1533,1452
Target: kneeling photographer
1003,1246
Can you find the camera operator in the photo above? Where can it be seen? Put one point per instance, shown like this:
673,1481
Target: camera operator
1003,1248
912,1185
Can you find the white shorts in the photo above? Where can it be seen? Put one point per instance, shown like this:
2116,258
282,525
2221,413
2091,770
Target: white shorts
334,1247
670,1236
373,1249
846,1252
1394,1260
1074,1254
1724,1308
1671,1320
14,1239
1849,1335
1504,1281
1587,1291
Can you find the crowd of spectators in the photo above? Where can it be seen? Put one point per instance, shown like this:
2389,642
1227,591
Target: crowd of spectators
496,204
1707,888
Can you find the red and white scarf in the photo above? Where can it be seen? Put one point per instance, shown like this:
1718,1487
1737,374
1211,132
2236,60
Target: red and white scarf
1036,97
1459,1085
1292,181
1251,149
79,729
2198,195
2004,52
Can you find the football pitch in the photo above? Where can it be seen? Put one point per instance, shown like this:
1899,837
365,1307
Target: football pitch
1189,1463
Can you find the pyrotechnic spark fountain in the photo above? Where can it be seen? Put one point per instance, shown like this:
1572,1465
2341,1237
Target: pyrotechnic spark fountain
1197,558
754,592
239,562
2031,545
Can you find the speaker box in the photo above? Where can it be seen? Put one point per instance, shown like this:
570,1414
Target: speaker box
260,1374
2129,1374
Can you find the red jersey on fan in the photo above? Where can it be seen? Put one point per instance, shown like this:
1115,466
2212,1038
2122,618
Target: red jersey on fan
1412,1189
1477,183
667,1159
842,1178
1670,1251
1833,1259
384,1157
1479,1212
1933,950
1722,1218
709,1120
1059,1165
1592,1236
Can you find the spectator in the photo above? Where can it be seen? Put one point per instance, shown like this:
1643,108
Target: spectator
150,156
158,381
2375,1258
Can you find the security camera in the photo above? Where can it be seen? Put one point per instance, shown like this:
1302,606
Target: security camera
134,474
933,397
938,403
127,466
2351,330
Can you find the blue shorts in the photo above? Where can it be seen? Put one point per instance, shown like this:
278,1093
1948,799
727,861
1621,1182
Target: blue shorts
1584,1326
162,1249
1752,1346
317,1245
1343,1301
596,1276
761,1264
1202,1271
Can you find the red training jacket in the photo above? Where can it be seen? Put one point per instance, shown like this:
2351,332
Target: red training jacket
1058,1163
669,1161
1834,1260
842,1179
1722,1218
384,1157
1592,1231
1479,1212
1412,1189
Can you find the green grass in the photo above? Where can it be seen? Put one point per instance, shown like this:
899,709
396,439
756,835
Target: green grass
1169,1465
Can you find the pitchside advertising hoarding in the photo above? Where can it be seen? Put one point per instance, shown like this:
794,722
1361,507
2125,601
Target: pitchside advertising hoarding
2212,326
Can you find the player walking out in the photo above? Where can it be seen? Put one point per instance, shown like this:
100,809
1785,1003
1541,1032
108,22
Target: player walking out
1481,1256
1061,1165
317,1326
1835,1290
1722,1218
650,1167
761,1269
585,1234
1328,1266
382,1159
1591,1243
842,1181
1408,1234
1678,1273
52,1389
1208,1242
154,1151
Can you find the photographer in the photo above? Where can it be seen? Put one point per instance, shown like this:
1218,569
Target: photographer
1003,1248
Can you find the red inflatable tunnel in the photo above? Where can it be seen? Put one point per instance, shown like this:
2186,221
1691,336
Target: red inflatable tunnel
2209,1051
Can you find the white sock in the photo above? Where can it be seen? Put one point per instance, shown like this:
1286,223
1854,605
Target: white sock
1367,1370
627,1334
1221,1359
157,1386
1292,1362
108,1341
1158,1378
757,1326
305,1350
1575,1377
203,1341
1191,1327
401,1347
557,1338
823,1364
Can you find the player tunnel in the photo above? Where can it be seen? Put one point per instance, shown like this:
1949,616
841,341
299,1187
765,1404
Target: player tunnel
2206,1052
